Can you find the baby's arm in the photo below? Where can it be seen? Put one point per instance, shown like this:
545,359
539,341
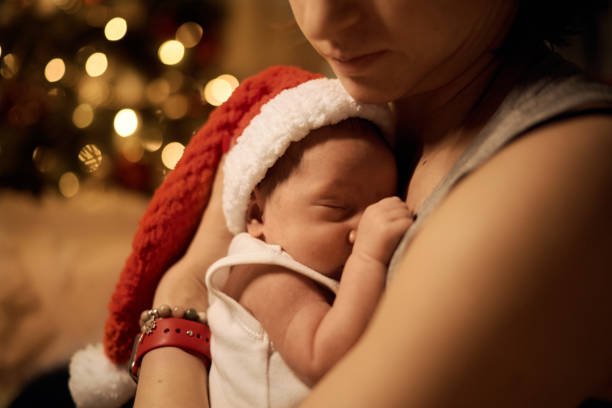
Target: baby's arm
311,335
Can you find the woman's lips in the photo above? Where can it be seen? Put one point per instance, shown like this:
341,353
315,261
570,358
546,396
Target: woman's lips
354,65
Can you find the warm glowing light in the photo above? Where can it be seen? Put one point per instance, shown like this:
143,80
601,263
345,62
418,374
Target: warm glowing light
115,29
189,34
96,64
151,139
68,184
132,150
171,154
218,90
126,122
176,106
55,70
171,52
91,157
94,91
0,50
128,89
83,115
158,91
9,66
44,159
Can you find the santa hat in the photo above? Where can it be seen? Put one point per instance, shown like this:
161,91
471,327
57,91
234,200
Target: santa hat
265,114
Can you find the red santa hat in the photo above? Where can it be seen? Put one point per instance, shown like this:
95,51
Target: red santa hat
264,114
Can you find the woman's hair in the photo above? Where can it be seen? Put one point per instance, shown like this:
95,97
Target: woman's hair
290,160
552,22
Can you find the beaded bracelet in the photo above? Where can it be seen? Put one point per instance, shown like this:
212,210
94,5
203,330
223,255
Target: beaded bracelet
148,317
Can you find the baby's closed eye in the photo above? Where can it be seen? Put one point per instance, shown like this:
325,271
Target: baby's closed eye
333,211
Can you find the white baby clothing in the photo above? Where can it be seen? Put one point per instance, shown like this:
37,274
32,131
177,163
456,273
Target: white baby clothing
246,370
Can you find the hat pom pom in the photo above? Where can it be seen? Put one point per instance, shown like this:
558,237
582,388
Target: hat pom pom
95,382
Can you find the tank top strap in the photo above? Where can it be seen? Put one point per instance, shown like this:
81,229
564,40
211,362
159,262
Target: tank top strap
245,250
550,90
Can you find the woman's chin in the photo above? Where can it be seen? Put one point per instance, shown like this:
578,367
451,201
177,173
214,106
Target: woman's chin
368,90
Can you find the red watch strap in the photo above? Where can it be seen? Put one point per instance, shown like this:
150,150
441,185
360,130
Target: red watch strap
189,335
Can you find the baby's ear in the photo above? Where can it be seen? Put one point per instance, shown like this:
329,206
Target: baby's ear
254,215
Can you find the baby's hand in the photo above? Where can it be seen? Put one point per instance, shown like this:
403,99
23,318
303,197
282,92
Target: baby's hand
380,229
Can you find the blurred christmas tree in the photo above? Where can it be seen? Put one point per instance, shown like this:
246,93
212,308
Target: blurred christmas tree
104,92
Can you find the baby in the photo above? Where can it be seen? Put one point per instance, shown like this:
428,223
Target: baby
324,212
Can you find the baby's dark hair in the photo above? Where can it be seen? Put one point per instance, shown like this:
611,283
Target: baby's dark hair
289,161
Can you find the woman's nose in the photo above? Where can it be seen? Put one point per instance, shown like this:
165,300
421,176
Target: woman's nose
324,19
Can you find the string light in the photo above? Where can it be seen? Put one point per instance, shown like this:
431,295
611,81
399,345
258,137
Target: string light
158,91
68,184
9,66
83,115
176,106
171,52
96,64
126,122
219,89
189,34
151,139
115,29
94,91
55,70
91,157
171,154
44,159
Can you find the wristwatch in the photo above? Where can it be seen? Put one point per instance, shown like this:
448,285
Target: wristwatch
188,335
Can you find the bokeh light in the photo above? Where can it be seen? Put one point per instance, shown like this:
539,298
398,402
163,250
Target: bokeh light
68,184
219,89
126,122
0,50
94,91
132,150
9,66
55,70
176,106
129,89
189,34
91,157
44,159
151,139
158,91
83,115
171,52
96,64
115,29
171,154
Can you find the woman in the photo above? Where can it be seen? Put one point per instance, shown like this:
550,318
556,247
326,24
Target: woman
498,295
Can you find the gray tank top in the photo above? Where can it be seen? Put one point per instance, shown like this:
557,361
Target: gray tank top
550,89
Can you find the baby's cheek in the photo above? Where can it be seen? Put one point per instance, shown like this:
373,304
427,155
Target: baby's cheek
331,251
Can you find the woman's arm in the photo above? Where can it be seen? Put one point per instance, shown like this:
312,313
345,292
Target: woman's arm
503,298
169,376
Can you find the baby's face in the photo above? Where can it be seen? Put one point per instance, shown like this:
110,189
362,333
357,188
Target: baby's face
311,213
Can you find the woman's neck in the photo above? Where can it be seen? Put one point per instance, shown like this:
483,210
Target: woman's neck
435,116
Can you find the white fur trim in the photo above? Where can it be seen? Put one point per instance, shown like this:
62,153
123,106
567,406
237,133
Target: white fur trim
287,118
95,382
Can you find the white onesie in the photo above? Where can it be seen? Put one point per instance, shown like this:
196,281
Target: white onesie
246,370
